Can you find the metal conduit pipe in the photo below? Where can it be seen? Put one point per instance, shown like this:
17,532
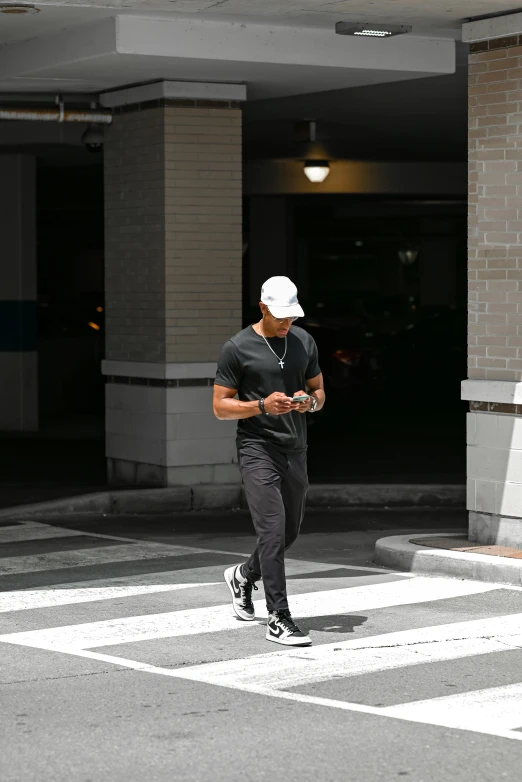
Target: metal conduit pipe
57,115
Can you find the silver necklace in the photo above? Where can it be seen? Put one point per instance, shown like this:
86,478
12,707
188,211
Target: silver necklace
280,360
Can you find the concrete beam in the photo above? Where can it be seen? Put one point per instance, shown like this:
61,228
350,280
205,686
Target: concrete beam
174,90
496,27
499,391
231,41
271,60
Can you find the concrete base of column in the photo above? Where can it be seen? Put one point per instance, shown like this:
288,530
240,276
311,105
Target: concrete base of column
494,450
491,530
121,472
160,429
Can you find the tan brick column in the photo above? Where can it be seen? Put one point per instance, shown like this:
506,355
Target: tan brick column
495,289
173,285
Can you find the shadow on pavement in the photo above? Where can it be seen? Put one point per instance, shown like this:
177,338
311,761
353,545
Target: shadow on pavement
335,623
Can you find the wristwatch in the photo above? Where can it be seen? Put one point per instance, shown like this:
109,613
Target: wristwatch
314,404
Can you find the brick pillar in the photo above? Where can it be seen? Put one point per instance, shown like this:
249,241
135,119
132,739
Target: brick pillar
173,285
494,389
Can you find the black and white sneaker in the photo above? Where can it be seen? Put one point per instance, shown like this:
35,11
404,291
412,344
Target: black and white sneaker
282,629
241,589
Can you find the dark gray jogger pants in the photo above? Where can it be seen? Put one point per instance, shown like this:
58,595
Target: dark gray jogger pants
275,486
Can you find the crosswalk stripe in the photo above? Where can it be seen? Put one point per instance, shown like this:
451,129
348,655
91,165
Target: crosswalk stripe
34,530
85,557
488,725
25,532
498,707
30,530
127,586
205,573
496,711
215,619
127,539
278,670
48,598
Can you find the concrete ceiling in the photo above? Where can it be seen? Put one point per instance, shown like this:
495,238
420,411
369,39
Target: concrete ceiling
271,60
276,47
287,53
442,18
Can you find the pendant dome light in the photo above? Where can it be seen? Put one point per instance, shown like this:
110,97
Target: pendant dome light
316,170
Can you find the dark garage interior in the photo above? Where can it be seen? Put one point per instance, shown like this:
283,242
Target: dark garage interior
382,280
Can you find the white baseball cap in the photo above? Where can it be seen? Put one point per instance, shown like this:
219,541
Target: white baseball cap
280,296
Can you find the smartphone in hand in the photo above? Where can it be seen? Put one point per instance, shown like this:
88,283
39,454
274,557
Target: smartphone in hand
302,398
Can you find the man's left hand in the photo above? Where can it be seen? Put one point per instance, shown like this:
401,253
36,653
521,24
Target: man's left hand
304,407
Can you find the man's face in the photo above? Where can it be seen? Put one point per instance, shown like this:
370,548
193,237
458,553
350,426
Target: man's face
278,327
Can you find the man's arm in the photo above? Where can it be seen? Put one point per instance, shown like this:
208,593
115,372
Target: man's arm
226,408
315,387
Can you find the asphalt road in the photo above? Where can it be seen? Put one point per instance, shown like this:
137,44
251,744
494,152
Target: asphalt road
121,659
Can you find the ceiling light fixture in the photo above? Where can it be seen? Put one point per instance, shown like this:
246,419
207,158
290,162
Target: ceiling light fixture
316,170
373,33
18,8
372,30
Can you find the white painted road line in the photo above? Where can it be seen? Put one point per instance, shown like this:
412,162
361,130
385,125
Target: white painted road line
48,598
293,566
487,726
91,557
496,707
142,542
110,588
35,532
218,618
208,573
282,670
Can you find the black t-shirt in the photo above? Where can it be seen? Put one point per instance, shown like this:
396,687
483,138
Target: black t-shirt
247,365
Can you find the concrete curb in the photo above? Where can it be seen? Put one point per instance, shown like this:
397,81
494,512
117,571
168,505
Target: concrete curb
397,553
386,494
231,497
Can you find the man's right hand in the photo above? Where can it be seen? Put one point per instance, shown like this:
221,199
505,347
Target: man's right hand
279,404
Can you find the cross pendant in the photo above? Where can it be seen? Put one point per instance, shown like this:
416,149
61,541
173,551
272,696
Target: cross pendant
281,363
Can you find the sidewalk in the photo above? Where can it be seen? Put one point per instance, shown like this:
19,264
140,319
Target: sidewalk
450,555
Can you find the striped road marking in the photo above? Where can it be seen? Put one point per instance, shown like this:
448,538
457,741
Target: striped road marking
496,711
280,671
35,531
48,598
218,618
497,708
127,552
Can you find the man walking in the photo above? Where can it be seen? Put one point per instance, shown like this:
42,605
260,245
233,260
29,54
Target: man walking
268,366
